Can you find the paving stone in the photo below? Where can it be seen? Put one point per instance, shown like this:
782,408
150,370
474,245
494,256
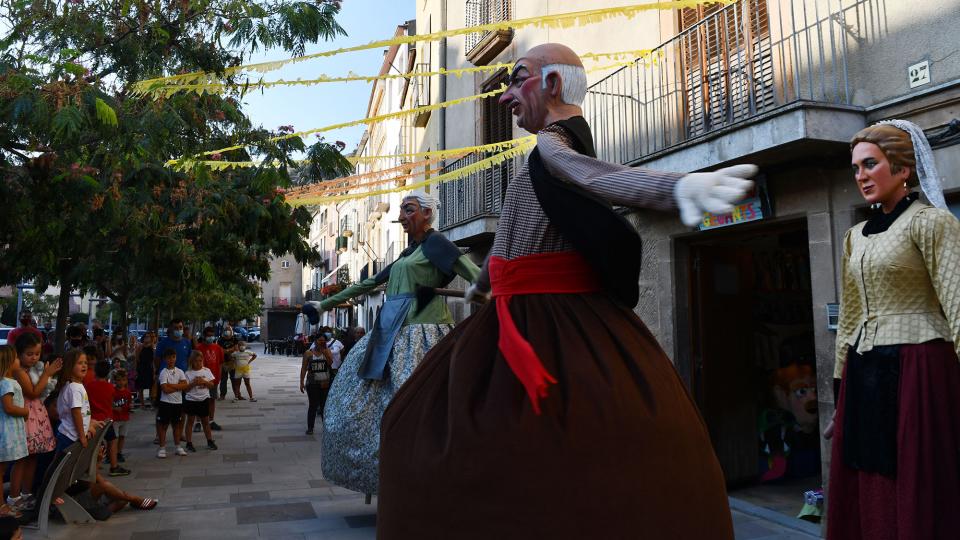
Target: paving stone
240,458
291,438
152,474
250,496
215,480
271,513
169,534
241,427
248,415
358,522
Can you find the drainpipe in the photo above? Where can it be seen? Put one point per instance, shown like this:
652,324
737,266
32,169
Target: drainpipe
442,142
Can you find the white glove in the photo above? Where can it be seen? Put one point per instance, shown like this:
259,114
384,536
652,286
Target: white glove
713,192
475,295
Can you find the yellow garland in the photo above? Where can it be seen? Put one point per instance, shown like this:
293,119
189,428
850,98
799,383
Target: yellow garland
560,20
362,176
220,88
187,163
329,190
447,177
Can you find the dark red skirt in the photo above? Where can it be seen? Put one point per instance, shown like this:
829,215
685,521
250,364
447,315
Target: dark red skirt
618,451
922,501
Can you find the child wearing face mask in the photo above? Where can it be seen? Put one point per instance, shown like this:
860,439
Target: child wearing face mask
212,360
229,344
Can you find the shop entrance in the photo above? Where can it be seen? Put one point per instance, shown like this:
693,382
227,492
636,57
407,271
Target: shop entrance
752,360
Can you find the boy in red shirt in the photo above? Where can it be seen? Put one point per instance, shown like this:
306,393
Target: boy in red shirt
100,393
212,360
122,401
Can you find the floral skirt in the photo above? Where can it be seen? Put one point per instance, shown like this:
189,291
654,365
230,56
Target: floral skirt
39,432
351,418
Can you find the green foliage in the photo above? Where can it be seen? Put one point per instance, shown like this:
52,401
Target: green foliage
78,317
89,203
43,306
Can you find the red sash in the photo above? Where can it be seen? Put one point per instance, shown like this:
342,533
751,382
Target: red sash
565,272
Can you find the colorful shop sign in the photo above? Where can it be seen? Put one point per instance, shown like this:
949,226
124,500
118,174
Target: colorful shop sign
744,212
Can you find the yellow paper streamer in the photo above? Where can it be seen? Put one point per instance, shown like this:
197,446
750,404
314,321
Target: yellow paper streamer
560,20
221,165
339,183
213,87
448,177
345,188
493,147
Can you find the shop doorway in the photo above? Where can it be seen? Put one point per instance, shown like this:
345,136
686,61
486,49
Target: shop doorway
752,361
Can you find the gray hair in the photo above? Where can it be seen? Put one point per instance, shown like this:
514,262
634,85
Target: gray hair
574,82
426,201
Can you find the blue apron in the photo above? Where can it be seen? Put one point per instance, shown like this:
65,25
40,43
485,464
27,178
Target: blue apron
392,315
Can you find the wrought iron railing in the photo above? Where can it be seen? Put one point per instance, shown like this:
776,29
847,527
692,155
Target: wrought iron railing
484,12
743,61
479,194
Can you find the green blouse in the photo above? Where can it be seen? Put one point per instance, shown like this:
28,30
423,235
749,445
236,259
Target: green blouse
405,274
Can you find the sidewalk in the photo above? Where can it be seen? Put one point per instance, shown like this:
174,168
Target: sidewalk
265,480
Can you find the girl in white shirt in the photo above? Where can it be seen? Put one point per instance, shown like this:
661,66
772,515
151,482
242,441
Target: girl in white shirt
73,406
197,404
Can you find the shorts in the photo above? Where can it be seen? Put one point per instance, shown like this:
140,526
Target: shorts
169,413
121,426
111,433
243,371
199,409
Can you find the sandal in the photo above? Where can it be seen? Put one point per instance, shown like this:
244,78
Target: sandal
8,511
148,504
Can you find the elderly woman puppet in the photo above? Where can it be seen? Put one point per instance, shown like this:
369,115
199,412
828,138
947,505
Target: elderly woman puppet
411,321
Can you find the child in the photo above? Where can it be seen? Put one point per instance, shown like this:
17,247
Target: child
172,381
100,393
242,360
73,404
13,434
198,399
10,529
40,438
122,401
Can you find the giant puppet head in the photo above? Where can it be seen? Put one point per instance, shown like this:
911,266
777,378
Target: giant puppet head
547,84
795,390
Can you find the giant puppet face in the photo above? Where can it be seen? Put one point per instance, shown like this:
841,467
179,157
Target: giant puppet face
525,97
413,218
795,389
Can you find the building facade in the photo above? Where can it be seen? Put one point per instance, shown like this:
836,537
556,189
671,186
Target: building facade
780,83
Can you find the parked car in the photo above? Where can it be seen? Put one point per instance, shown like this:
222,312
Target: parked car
3,335
241,333
253,333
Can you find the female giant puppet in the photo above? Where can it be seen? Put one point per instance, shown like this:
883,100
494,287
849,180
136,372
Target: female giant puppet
895,466
552,412
412,320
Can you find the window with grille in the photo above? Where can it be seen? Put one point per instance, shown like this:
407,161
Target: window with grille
728,63
479,12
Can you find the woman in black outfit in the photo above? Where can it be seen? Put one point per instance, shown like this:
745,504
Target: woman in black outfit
315,374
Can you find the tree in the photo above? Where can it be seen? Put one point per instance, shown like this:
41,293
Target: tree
92,206
43,306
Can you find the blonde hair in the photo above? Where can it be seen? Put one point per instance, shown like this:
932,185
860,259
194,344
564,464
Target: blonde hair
896,146
195,356
69,361
8,355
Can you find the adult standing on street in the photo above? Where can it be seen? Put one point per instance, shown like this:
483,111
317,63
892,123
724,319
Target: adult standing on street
27,326
412,320
894,469
315,377
175,340
512,427
147,368
212,360
230,344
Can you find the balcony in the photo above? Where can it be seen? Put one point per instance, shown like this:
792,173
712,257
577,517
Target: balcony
482,47
469,200
284,302
420,94
747,63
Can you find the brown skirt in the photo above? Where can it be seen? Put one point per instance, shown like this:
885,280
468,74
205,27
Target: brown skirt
619,451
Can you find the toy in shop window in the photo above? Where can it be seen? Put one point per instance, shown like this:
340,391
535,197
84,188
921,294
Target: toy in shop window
789,441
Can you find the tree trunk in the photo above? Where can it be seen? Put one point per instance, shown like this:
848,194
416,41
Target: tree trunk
63,311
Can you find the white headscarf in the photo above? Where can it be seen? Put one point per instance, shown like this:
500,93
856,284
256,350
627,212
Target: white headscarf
926,168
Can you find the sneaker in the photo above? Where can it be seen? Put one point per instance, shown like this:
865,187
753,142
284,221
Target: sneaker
119,471
253,400
156,440
211,445
162,453
215,426
190,447
197,428
30,501
181,451
309,432
18,504
121,458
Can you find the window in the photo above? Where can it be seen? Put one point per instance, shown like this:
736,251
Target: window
285,264
728,63
496,126
482,47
